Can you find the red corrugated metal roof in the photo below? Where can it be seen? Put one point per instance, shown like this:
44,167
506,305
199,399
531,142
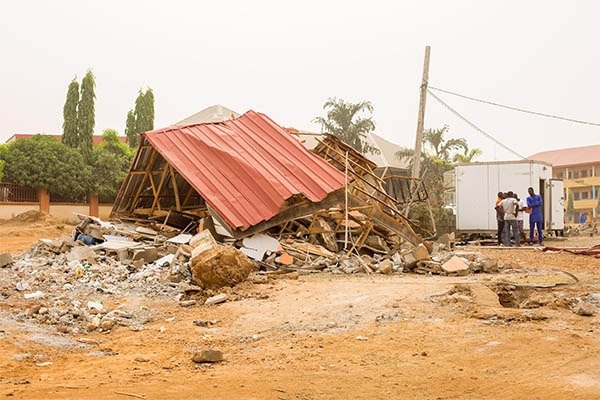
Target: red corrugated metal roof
571,156
245,168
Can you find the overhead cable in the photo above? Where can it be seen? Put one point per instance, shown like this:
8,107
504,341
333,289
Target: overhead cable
577,121
478,129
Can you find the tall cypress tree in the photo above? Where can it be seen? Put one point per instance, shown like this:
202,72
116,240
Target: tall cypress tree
70,115
144,111
149,103
86,118
130,132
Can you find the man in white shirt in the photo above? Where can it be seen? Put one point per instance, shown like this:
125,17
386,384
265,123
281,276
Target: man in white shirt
520,217
511,210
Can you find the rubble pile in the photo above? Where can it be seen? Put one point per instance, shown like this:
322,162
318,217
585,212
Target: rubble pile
90,281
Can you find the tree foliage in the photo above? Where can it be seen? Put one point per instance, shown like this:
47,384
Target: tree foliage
436,158
42,162
109,163
351,122
570,206
70,137
130,131
86,119
141,119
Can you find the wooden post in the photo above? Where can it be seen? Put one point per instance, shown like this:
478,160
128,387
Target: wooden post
94,205
44,200
416,170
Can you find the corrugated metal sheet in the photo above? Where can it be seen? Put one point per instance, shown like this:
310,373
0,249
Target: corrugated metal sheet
245,168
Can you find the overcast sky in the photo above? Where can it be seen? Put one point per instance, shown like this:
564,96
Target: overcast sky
286,58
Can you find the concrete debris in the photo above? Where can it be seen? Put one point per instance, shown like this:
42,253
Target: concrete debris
455,265
215,266
217,299
5,259
585,309
207,356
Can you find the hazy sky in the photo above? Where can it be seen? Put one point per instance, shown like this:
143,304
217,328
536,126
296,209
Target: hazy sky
286,58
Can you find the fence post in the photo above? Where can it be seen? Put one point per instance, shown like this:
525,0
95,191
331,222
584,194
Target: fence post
94,206
44,200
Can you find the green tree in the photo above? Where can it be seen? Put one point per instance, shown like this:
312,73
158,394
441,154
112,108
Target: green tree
144,111
436,158
112,144
70,137
86,119
3,150
109,163
468,156
351,122
42,162
130,130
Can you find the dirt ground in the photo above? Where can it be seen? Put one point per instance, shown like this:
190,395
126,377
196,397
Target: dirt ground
329,336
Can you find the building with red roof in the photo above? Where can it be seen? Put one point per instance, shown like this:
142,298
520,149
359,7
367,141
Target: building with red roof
579,168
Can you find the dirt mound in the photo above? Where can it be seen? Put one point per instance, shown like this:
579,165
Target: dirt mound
227,266
33,216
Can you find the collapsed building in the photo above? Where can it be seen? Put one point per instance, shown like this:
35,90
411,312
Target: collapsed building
248,175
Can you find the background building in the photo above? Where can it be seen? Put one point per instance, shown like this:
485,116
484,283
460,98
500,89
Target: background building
579,167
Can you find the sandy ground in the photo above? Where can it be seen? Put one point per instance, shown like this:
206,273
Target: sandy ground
328,337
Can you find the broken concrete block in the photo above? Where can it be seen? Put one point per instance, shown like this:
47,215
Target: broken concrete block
207,356
285,259
455,265
585,309
214,266
385,267
148,254
216,299
81,253
410,260
421,253
5,259
489,265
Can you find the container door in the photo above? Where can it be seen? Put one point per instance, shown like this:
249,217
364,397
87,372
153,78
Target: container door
557,205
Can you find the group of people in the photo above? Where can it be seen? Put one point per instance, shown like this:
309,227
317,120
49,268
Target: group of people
510,215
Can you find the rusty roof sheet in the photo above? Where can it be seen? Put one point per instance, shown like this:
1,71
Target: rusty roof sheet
245,168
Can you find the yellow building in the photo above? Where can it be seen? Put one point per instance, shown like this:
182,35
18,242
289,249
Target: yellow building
579,168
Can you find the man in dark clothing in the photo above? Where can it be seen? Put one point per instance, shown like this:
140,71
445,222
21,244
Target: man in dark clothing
535,202
500,217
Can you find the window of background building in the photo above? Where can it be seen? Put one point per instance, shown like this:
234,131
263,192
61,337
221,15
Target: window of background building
584,173
584,195
575,174
560,175
575,195
570,175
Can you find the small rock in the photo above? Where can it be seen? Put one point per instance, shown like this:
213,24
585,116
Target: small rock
43,310
141,359
204,324
385,267
585,309
208,356
423,354
34,296
217,299
95,305
455,265
188,303
5,259
362,338
22,286
107,324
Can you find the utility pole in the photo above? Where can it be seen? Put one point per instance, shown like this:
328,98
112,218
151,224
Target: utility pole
416,170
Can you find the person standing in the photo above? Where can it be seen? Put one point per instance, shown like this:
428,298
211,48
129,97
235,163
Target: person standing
583,218
511,209
521,217
500,217
535,202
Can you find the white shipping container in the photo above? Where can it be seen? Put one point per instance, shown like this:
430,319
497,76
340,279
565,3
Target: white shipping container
477,186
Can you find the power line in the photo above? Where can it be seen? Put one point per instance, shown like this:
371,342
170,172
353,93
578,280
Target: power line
577,121
478,129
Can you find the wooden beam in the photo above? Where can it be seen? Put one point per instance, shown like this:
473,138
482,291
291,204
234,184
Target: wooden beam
175,188
156,201
140,188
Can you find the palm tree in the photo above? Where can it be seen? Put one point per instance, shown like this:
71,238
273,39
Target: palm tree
351,122
442,148
468,156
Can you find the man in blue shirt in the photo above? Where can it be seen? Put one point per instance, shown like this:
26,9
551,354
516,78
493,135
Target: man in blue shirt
535,202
